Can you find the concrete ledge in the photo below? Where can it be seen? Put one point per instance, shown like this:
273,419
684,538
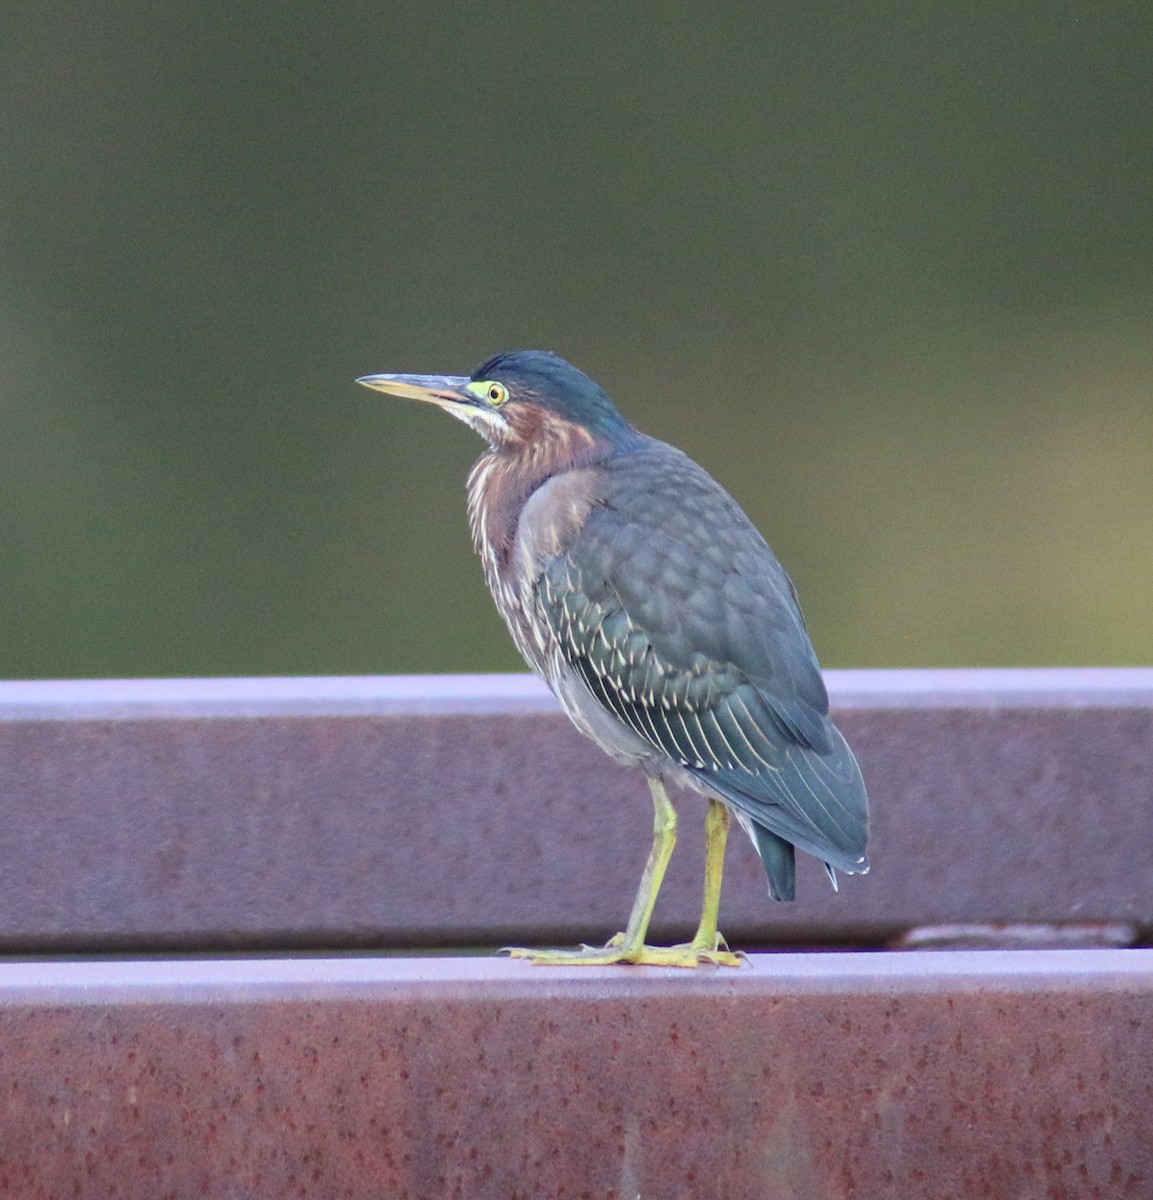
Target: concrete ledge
434,811
1009,1076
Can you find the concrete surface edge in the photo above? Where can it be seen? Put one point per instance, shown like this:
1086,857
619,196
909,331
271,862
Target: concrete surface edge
367,695
935,1076
426,812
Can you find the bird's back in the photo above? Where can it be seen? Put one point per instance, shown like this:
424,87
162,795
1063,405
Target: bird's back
667,607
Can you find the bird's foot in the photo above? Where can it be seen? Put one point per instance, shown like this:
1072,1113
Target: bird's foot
688,954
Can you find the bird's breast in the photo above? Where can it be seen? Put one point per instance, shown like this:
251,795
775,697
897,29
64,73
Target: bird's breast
517,534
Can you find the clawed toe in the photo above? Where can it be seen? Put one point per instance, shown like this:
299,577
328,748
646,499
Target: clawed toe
687,955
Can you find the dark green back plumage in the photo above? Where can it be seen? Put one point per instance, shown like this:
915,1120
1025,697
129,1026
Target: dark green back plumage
678,618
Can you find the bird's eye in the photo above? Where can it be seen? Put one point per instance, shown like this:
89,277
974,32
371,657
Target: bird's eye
497,393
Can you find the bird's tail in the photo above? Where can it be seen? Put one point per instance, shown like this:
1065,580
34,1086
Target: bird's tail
780,860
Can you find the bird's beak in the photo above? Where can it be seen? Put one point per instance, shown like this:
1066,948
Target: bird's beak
447,391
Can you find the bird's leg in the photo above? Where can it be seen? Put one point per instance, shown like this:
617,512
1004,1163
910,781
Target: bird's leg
629,947
707,942
664,843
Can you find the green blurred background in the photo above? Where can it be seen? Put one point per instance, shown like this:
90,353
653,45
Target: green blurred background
884,269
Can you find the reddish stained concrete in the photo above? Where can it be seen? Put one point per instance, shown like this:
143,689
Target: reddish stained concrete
995,1076
205,814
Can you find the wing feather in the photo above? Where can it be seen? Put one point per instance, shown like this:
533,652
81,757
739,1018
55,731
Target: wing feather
676,616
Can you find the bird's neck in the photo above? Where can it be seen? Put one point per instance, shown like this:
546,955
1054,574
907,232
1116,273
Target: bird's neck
505,476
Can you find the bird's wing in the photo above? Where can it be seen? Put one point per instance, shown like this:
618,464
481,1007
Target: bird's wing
676,615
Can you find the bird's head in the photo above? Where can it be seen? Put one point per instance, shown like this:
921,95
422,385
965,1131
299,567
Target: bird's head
518,399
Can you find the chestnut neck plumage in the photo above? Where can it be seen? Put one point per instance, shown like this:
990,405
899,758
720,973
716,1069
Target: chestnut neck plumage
542,444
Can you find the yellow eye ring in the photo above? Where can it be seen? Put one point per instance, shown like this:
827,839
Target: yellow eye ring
489,391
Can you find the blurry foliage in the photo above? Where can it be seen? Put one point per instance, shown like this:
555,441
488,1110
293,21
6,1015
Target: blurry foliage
886,271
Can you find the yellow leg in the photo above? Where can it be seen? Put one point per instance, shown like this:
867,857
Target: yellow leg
629,947
664,843
708,942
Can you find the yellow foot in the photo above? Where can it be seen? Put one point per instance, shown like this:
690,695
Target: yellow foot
689,954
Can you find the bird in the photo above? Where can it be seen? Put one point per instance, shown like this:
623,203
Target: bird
642,594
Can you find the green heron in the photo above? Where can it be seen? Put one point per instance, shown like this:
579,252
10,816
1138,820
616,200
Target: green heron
641,593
